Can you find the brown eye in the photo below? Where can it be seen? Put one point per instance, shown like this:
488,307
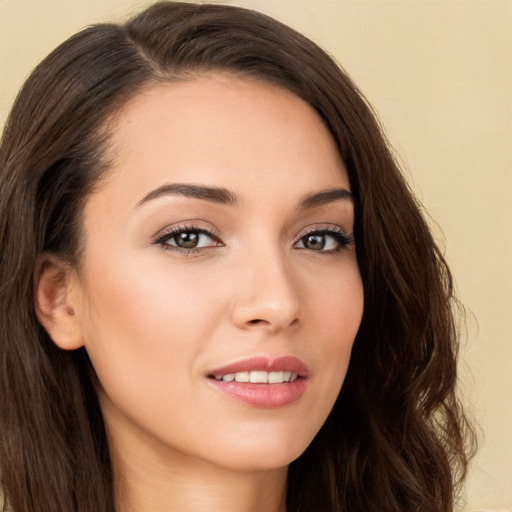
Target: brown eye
314,242
187,240
327,241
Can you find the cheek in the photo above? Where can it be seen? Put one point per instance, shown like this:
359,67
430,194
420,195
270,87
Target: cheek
336,312
154,301
143,326
337,308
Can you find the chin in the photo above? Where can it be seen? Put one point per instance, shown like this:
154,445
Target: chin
266,450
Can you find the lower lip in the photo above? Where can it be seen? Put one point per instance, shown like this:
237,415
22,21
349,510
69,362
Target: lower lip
264,396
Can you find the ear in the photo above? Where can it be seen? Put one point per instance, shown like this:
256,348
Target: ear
57,301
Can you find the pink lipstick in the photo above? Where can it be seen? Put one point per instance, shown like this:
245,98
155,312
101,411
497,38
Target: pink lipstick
261,381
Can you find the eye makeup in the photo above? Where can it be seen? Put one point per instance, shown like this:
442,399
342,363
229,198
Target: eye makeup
328,238
187,239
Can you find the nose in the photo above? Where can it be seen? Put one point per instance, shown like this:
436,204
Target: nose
266,295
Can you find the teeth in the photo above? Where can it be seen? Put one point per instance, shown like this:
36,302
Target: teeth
259,377
242,377
275,377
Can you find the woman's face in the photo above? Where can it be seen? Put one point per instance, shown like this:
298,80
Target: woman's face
219,250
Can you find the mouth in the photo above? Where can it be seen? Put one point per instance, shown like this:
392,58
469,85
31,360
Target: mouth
262,382
262,370
258,377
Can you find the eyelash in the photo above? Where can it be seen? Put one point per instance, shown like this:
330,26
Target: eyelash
178,230
339,236
335,232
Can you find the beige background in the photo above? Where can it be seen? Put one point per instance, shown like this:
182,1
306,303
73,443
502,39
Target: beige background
440,75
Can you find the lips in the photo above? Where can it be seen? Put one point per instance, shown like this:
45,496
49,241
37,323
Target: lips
262,382
264,364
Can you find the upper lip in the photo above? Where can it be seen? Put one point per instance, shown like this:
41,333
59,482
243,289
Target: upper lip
264,364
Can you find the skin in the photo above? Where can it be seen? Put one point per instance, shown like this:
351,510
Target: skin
155,319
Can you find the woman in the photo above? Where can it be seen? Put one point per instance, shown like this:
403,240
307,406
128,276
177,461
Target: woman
202,226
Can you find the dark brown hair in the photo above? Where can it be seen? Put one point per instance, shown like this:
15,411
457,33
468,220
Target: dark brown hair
396,440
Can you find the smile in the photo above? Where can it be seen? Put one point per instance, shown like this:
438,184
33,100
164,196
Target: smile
262,382
258,377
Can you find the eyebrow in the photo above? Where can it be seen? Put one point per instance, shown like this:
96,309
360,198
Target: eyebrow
223,196
213,194
325,197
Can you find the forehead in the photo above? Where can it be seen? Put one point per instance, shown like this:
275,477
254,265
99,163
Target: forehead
220,127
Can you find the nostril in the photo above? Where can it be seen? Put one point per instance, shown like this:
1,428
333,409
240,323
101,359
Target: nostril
256,321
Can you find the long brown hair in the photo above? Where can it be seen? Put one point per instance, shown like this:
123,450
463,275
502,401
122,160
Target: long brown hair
396,440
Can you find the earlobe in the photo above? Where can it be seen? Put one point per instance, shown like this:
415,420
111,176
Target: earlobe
57,302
